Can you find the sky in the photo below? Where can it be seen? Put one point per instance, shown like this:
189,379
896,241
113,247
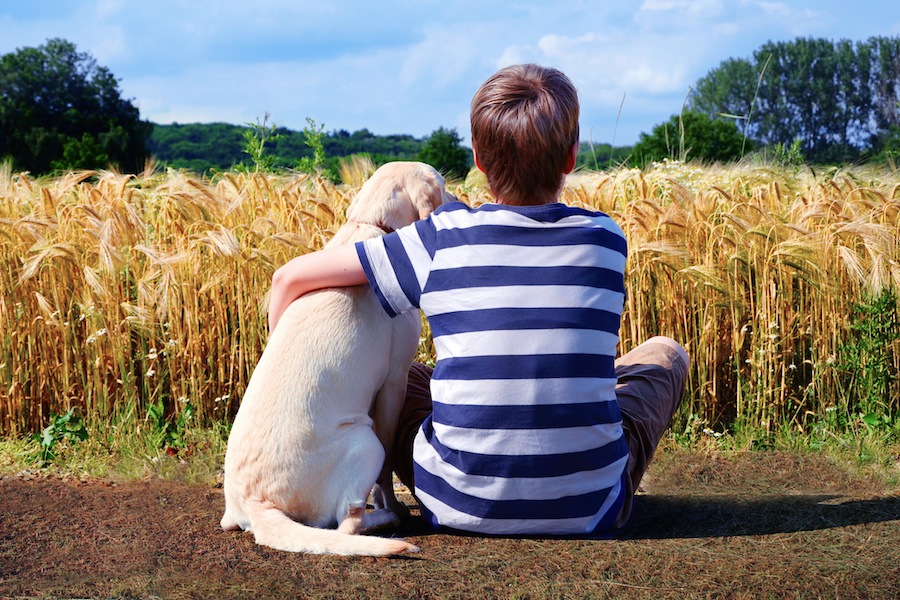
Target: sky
412,66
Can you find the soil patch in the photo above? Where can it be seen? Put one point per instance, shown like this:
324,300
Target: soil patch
743,526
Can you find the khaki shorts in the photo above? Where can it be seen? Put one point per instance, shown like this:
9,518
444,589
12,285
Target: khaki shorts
651,385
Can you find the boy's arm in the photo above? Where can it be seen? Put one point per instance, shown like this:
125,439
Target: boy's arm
338,266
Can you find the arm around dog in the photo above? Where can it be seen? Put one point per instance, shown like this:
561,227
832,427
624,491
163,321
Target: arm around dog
338,266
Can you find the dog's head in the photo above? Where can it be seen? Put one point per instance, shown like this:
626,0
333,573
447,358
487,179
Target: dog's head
397,194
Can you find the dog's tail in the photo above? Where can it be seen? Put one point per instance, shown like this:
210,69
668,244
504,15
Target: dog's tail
271,527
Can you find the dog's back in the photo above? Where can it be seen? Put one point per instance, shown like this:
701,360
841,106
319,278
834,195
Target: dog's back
302,449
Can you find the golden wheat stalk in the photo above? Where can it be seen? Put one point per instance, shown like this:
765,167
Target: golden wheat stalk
119,292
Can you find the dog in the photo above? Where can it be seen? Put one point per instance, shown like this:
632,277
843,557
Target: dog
303,455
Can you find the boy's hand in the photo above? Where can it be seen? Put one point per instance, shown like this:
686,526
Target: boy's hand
338,266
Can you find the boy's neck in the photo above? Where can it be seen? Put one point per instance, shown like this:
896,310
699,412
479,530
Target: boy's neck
533,201
552,200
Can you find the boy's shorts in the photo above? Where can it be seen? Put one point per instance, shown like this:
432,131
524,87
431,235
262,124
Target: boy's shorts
651,385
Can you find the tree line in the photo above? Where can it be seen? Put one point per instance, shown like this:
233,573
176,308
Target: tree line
809,100
829,102
205,147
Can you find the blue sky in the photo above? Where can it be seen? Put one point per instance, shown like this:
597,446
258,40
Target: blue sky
411,66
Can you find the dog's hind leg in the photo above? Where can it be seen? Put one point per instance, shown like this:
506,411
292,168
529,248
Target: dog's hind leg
362,463
353,522
360,521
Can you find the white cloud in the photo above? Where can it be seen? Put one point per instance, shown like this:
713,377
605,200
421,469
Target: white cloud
703,9
410,66
440,60
605,66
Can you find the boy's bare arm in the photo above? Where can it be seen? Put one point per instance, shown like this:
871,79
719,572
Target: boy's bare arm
338,266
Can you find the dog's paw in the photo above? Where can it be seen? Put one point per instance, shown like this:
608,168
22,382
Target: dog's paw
379,520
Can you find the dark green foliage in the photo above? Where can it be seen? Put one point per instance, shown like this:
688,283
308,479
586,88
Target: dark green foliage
868,359
67,428
443,152
219,146
789,156
595,157
887,148
838,98
166,434
690,136
198,147
60,110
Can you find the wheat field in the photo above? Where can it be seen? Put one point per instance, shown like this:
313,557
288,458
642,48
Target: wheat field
118,292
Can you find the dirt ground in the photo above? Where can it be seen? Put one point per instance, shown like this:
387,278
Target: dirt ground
749,525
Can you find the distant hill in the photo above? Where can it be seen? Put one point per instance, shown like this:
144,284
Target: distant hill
206,147
202,147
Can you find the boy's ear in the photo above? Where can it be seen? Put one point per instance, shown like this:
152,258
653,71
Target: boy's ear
571,158
477,162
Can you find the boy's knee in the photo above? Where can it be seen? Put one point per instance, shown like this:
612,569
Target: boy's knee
672,344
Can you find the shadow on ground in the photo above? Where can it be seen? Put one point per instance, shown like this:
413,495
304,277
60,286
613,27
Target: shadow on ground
719,516
664,517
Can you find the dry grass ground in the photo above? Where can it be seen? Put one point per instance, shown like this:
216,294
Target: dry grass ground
742,525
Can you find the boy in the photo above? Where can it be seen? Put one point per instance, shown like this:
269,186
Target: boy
527,425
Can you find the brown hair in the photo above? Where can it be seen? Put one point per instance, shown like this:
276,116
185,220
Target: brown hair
524,123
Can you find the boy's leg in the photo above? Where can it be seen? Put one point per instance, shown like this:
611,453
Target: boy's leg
651,385
415,409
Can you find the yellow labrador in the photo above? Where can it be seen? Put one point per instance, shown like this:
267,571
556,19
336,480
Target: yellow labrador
303,456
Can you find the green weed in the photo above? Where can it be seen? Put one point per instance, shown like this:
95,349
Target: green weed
313,134
63,429
168,435
255,139
868,360
789,155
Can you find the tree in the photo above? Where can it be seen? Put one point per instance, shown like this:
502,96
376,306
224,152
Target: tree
728,90
691,135
60,110
443,152
885,56
837,98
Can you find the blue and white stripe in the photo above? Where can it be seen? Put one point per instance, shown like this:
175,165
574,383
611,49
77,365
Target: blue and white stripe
524,305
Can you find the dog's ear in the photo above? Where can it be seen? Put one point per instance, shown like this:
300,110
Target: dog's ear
432,189
438,197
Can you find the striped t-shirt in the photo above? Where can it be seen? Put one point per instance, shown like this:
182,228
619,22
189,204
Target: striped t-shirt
524,305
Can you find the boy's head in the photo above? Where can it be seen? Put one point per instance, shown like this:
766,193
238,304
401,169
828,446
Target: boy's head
525,132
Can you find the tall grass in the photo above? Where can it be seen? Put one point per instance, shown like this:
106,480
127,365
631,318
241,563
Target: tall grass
122,292
758,271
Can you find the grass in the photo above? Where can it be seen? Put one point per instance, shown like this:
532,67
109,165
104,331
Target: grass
130,451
